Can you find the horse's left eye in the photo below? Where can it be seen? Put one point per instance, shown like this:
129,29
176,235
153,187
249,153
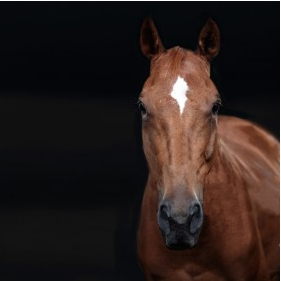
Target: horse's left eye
216,107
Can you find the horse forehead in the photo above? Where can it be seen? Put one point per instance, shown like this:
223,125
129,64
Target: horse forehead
176,63
177,84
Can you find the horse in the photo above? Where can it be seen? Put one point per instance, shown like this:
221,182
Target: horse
210,209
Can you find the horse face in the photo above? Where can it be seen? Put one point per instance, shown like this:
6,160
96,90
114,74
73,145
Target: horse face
179,105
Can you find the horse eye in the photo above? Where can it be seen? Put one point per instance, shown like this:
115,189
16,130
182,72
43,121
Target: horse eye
142,109
216,107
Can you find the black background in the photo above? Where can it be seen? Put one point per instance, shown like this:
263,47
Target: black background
72,168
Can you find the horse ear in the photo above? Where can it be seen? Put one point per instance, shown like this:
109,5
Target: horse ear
150,41
209,40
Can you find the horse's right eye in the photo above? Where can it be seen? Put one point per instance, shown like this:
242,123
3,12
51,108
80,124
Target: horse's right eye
142,109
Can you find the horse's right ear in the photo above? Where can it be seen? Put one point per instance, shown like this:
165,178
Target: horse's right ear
150,41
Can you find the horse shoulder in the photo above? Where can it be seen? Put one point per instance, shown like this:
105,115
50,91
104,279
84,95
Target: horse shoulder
256,155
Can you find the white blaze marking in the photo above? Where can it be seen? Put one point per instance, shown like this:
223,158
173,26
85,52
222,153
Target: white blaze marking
179,91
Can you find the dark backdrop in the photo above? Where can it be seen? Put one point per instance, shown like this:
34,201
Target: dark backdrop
72,168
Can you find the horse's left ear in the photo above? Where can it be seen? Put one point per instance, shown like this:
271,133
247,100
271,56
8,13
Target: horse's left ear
209,40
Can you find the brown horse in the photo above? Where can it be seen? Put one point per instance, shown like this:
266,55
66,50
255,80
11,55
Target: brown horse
211,205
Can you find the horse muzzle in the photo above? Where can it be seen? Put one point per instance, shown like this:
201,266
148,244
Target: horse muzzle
180,231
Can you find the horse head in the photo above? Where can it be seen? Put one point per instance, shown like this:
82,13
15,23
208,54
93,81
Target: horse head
179,105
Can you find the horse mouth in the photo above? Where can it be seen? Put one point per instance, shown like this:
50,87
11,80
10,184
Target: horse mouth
179,242
179,246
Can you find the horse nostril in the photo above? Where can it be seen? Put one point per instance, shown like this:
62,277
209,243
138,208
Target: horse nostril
164,211
164,218
195,217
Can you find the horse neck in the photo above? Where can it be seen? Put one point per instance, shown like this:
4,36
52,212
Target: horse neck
225,182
